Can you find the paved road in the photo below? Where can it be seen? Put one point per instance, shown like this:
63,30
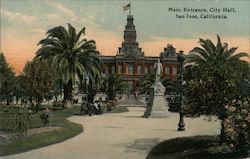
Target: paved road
119,136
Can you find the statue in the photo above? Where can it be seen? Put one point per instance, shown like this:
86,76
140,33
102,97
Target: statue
156,107
158,70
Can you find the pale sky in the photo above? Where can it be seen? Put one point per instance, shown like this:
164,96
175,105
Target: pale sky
25,22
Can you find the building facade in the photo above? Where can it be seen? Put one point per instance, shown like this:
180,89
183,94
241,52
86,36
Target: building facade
132,65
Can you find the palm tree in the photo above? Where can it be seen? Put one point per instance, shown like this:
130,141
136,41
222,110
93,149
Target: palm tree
223,62
112,85
170,85
147,83
215,72
150,79
217,55
72,56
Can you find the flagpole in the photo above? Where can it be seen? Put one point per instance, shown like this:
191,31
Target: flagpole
130,8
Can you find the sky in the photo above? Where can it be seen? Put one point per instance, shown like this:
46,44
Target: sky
25,22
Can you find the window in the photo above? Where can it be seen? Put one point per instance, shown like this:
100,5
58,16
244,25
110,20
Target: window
139,70
174,71
167,70
119,69
106,69
113,69
146,70
130,69
151,68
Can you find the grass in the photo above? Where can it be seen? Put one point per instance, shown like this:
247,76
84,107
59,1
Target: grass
189,148
26,143
119,110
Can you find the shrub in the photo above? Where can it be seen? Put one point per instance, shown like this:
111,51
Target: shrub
57,105
237,125
46,116
15,119
68,104
219,149
110,105
174,104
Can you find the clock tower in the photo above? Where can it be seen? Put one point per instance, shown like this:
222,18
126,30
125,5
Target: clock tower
130,47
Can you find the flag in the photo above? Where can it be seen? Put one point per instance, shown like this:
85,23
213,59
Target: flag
126,7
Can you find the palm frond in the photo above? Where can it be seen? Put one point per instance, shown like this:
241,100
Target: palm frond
82,31
230,52
240,55
58,32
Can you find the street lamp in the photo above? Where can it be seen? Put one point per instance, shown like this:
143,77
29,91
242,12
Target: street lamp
87,84
181,59
87,95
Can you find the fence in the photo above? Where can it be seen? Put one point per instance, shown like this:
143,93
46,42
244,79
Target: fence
14,119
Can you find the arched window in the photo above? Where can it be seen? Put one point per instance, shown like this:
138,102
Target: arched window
106,69
167,70
113,70
146,69
120,69
139,70
174,71
130,69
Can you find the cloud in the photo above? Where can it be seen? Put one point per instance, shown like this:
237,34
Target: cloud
38,31
52,16
18,16
63,10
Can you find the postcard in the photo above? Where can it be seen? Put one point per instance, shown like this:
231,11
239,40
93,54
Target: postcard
112,79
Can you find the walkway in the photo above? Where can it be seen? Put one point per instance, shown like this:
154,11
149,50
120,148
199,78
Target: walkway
119,136
131,101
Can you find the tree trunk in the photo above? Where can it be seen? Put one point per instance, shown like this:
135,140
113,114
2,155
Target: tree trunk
222,132
7,102
67,91
56,98
17,99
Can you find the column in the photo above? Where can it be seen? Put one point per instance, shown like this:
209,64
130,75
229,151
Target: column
135,68
142,69
116,67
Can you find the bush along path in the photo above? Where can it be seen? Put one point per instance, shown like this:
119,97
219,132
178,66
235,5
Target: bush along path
36,134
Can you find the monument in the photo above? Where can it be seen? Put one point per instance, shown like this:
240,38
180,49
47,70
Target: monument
159,108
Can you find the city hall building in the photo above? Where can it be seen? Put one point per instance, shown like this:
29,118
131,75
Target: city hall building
132,65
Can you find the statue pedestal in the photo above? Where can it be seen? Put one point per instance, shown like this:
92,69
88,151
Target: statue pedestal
159,108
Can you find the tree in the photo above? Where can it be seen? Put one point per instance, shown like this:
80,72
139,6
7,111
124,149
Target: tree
7,81
19,92
214,74
148,81
37,80
112,85
170,85
72,57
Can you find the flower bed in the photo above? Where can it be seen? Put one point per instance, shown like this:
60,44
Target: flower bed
237,125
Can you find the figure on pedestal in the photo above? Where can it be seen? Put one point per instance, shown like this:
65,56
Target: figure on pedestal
158,106
158,70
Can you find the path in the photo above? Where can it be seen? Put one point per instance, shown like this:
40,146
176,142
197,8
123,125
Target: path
131,101
119,136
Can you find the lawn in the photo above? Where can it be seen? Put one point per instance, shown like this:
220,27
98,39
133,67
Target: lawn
202,147
119,110
26,143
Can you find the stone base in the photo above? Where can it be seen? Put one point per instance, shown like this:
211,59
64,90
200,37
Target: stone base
159,108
